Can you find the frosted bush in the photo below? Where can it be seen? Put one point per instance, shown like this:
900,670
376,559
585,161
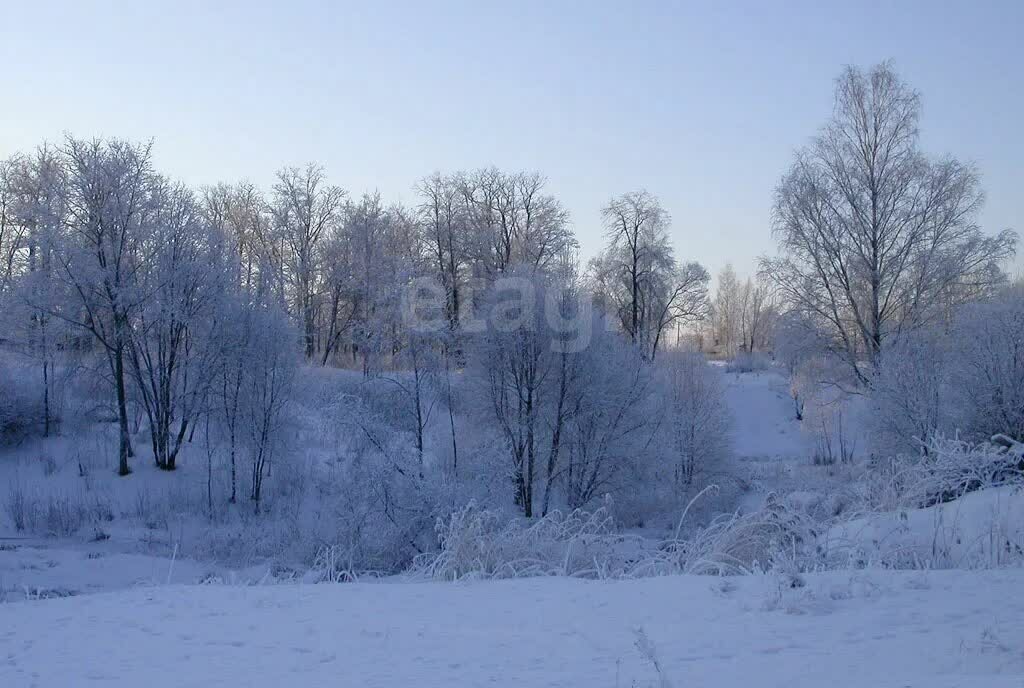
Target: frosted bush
478,543
989,375
57,514
21,404
910,397
746,362
739,544
946,470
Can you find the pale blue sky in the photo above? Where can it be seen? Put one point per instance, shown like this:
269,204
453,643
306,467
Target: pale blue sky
702,104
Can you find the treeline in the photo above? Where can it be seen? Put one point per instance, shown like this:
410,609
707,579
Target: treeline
202,304
209,307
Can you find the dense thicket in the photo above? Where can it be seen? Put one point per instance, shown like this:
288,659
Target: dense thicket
489,357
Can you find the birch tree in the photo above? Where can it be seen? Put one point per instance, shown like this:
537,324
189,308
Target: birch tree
728,310
758,311
874,235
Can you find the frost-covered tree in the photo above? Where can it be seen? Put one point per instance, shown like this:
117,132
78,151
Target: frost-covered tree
174,337
875,237
267,388
699,422
758,311
304,209
727,311
988,365
35,212
511,220
12,231
612,429
911,397
109,195
444,226
241,214
637,277
532,368
515,365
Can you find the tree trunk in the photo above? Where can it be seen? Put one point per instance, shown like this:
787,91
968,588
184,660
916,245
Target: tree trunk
122,412
46,397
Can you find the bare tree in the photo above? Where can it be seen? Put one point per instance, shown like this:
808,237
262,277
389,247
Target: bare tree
874,235
35,204
727,308
108,196
699,421
638,278
636,226
240,212
989,375
512,221
304,210
173,345
268,379
444,222
682,299
12,232
758,312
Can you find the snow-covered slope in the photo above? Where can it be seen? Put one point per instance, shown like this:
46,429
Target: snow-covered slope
839,629
763,414
981,529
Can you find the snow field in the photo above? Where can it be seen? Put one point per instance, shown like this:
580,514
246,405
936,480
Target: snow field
869,628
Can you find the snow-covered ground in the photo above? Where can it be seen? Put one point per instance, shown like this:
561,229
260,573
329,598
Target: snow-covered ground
764,418
982,529
39,569
127,609
769,444
868,628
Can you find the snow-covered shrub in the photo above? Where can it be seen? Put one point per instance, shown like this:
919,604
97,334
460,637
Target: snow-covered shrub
968,380
795,339
910,394
55,514
747,362
817,388
368,496
982,529
833,441
482,543
947,470
989,366
737,544
21,404
332,564
699,420
806,387
18,507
